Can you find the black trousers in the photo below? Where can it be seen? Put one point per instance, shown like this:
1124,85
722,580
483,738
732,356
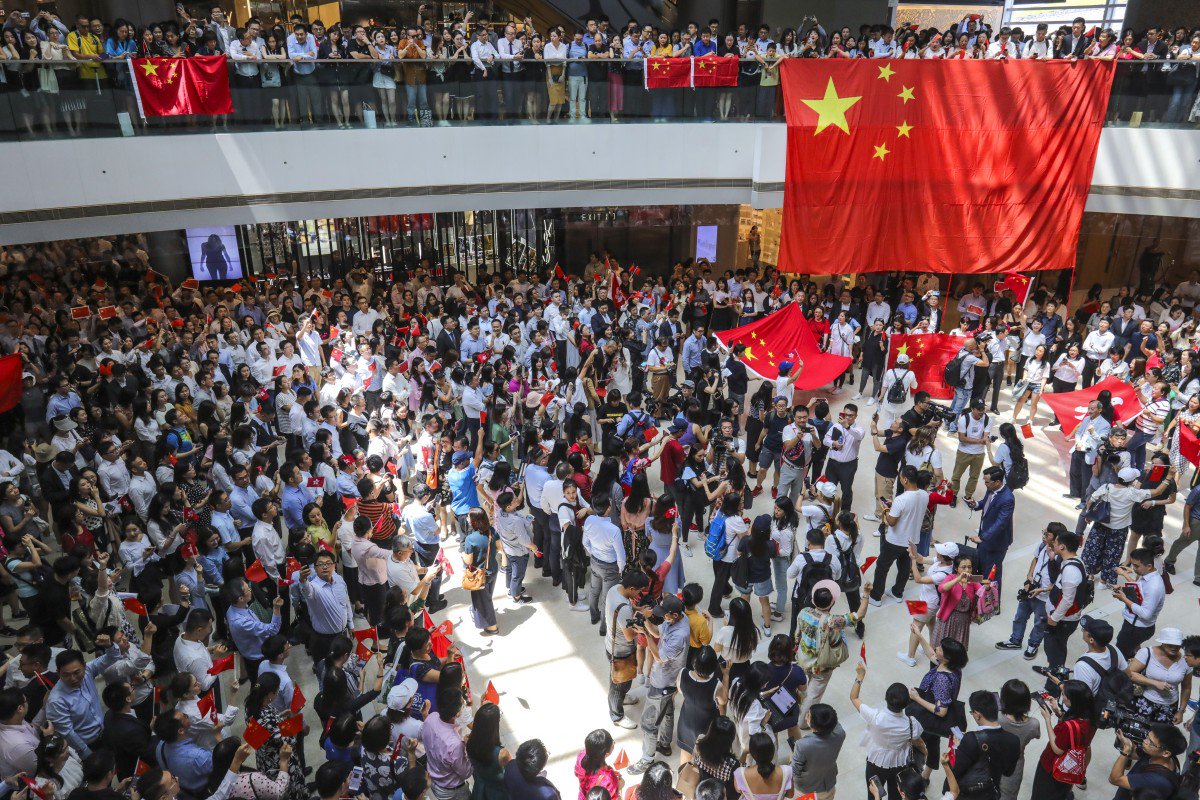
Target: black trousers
1081,473
1131,637
319,644
1089,371
1055,645
372,598
841,474
890,554
427,557
540,526
888,775
721,573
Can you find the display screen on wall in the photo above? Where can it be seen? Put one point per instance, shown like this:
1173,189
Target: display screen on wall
706,242
214,253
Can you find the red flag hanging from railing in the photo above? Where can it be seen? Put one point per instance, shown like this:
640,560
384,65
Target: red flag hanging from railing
167,87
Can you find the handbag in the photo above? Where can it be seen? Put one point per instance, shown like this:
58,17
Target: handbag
831,652
689,779
1098,511
624,669
740,574
1071,767
789,720
916,758
475,578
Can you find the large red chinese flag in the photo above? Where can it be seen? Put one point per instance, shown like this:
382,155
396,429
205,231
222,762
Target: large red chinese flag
925,165
668,73
785,335
171,86
714,71
1071,407
11,386
928,354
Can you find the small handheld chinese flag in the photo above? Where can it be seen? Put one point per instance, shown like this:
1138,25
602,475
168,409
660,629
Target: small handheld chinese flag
622,760
917,607
292,564
81,312
992,573
366,633
349,502
650,433
255,734
298,700
558,272
136,606
222,665
189,550
279,370
207,705
107,312
362,652
292,726
490,695
190,283
867,564
862,652
256,572
141,768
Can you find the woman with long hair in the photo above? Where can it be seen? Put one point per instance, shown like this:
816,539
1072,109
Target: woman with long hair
745,704
260,707
766,780
759,550
1009,454
757,408
713,756
662,529
785,523
1036,373
737,639
699,684
592,768
488,755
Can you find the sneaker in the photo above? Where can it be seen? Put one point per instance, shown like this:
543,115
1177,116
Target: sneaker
1031,652
1169,567
641,766
757,491
1072,496
629,725
871,517
892,593
874,602
1008,644
857,396
630,700
776,616
640,680
877,531
871,401
904,659
664,751
766,630
580,606
523,599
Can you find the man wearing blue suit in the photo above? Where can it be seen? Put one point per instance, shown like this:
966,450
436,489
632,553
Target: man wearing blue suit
996,522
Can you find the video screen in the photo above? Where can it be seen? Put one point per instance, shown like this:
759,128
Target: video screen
214,253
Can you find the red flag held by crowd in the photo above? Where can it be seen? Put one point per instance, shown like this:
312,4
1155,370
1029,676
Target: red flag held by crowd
867,146
785,335
166,87
715,71
490,695
221,665
1016,283
928,354
1189,445
298,700
1071,407
256,572
667,73
255,734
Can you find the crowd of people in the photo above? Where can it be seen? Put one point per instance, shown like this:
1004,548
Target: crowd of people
433,72
210,489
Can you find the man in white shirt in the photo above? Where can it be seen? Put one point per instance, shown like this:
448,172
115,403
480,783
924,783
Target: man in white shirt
604,545
973,429
265,540
1003,48
879,310
1065,612
1101,657
660,364
885,47
1039,46
1095,350
900,373
1143,600
192,651
890,736
843,439
1088,435
899,544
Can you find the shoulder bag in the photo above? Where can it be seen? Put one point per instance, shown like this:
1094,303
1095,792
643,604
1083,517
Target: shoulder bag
623,669
832,651
916,758
475,578
1070,767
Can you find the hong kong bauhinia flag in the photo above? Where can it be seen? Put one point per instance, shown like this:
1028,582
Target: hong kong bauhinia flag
968,167
172,86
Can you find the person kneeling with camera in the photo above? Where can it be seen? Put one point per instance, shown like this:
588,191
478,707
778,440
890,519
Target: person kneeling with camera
1156,768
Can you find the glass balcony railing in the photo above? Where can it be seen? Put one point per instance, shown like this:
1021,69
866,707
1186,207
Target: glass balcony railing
52,100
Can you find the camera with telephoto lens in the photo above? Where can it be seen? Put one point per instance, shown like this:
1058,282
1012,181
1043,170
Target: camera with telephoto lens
720,446
1108,454
1061,673
1026,591
942,412
1121,716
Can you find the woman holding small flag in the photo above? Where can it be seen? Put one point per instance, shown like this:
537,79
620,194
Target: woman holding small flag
275,752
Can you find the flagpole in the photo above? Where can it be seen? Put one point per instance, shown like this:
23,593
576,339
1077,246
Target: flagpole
137,93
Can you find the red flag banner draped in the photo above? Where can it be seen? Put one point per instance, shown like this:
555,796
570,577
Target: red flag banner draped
1016,283
1071,407
714,71
170,86
1189,445
928,354
668,73
11,386
785,335
877,154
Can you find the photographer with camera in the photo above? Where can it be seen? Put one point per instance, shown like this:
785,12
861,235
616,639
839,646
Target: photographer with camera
1071,593
1156,771
960,374
924,413
725,444
1063,763
843,439
973,429
1031,597
1143,596
771,443
1094,667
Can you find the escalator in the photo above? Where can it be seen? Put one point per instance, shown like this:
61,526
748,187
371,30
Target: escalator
573,13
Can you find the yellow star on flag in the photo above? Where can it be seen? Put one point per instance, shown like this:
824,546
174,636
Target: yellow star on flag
750,356
150,67
902,130
886,72
831,109
657,65
770,354
902,349
906,94
881,152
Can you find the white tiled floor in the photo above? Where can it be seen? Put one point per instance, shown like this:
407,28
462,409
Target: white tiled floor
550,671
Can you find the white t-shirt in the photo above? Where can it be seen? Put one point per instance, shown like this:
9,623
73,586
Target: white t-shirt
1086,673
909,380
928,455
976,429
734,527
909,509
937,572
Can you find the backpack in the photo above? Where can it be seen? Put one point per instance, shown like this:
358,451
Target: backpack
1114,683
716,543
1084,595
640,424
851,576
814,571
952,373
897,392
1018,476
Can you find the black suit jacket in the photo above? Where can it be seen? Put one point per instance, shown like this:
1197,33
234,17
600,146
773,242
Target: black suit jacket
447,342
55,493
129,739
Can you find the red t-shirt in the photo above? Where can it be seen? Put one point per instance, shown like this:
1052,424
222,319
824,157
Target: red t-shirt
1067,735
671,461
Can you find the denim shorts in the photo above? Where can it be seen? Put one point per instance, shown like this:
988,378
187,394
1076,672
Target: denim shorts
761,589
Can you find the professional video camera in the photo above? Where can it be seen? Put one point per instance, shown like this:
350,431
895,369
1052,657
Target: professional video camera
1120,714
942,412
